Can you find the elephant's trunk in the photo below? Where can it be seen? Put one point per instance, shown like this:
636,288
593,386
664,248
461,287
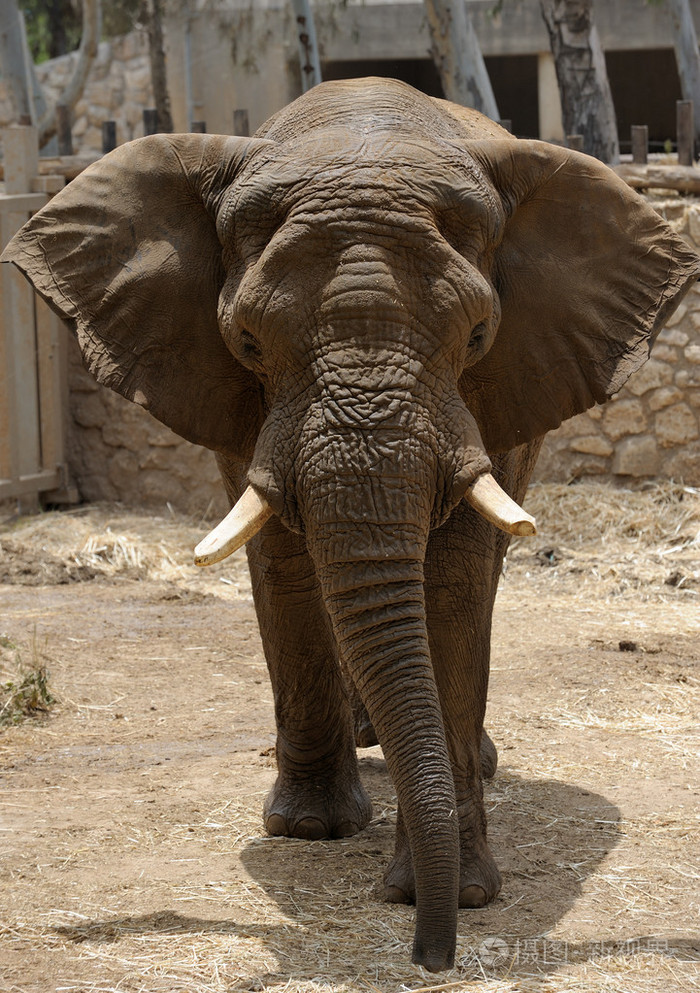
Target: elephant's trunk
377,610
367,512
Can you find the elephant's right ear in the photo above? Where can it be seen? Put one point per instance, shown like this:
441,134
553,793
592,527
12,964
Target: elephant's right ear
128,255
586,272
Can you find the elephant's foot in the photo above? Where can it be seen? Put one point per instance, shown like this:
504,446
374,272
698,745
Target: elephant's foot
366,736
315,809
479,882
479,878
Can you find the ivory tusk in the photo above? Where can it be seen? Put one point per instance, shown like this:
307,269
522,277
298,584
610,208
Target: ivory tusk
238,527
489,500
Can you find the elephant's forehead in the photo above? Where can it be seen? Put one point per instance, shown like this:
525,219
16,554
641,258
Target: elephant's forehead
334,151
370,166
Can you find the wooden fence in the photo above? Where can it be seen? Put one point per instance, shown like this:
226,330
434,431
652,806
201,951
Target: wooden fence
33,375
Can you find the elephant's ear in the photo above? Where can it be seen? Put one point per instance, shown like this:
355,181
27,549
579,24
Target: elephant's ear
128,255
587,274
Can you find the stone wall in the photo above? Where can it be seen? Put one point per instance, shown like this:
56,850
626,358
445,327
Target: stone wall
652,427
118,89
117,451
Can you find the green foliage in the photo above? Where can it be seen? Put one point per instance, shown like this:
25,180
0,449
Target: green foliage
26,693
54,27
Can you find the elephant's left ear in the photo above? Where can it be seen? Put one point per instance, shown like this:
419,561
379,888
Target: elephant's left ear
587,275
128,255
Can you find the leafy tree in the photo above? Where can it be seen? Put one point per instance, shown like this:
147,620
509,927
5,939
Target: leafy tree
587,105
53,27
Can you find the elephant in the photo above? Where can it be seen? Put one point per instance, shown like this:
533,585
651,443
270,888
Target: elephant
372,311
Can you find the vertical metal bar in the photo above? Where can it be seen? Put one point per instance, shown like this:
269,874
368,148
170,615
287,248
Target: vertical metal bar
150,121
109,136
684,131
241,125
63,129
575,141
640,143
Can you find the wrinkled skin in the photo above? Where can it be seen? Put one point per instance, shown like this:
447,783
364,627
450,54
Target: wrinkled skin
361,310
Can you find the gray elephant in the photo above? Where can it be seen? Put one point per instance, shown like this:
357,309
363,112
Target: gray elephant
371,310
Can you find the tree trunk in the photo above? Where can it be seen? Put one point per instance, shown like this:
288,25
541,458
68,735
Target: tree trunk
457,56
26,96
308,47
156,51
89,42
685,42
586,99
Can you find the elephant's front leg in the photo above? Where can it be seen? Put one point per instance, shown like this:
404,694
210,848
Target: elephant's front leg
318,793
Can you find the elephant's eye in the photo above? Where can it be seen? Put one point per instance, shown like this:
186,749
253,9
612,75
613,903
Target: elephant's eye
476,339
249,347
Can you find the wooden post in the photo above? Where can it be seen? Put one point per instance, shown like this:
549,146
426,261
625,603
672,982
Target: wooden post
640,143
684,132
109,136
33,383
52,375
21,448
63,129
575,142
150,121
199,127
21,144
240,123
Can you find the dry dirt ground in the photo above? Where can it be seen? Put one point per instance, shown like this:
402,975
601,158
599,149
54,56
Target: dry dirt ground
132,856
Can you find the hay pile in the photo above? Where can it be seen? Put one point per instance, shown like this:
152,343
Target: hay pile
645,542
108,542
613,542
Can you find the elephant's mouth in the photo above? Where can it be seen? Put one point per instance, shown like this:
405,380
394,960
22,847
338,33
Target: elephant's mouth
252,511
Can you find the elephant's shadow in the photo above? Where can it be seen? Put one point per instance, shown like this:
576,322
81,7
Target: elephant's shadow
548,838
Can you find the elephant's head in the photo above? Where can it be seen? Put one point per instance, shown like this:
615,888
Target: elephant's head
359,306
